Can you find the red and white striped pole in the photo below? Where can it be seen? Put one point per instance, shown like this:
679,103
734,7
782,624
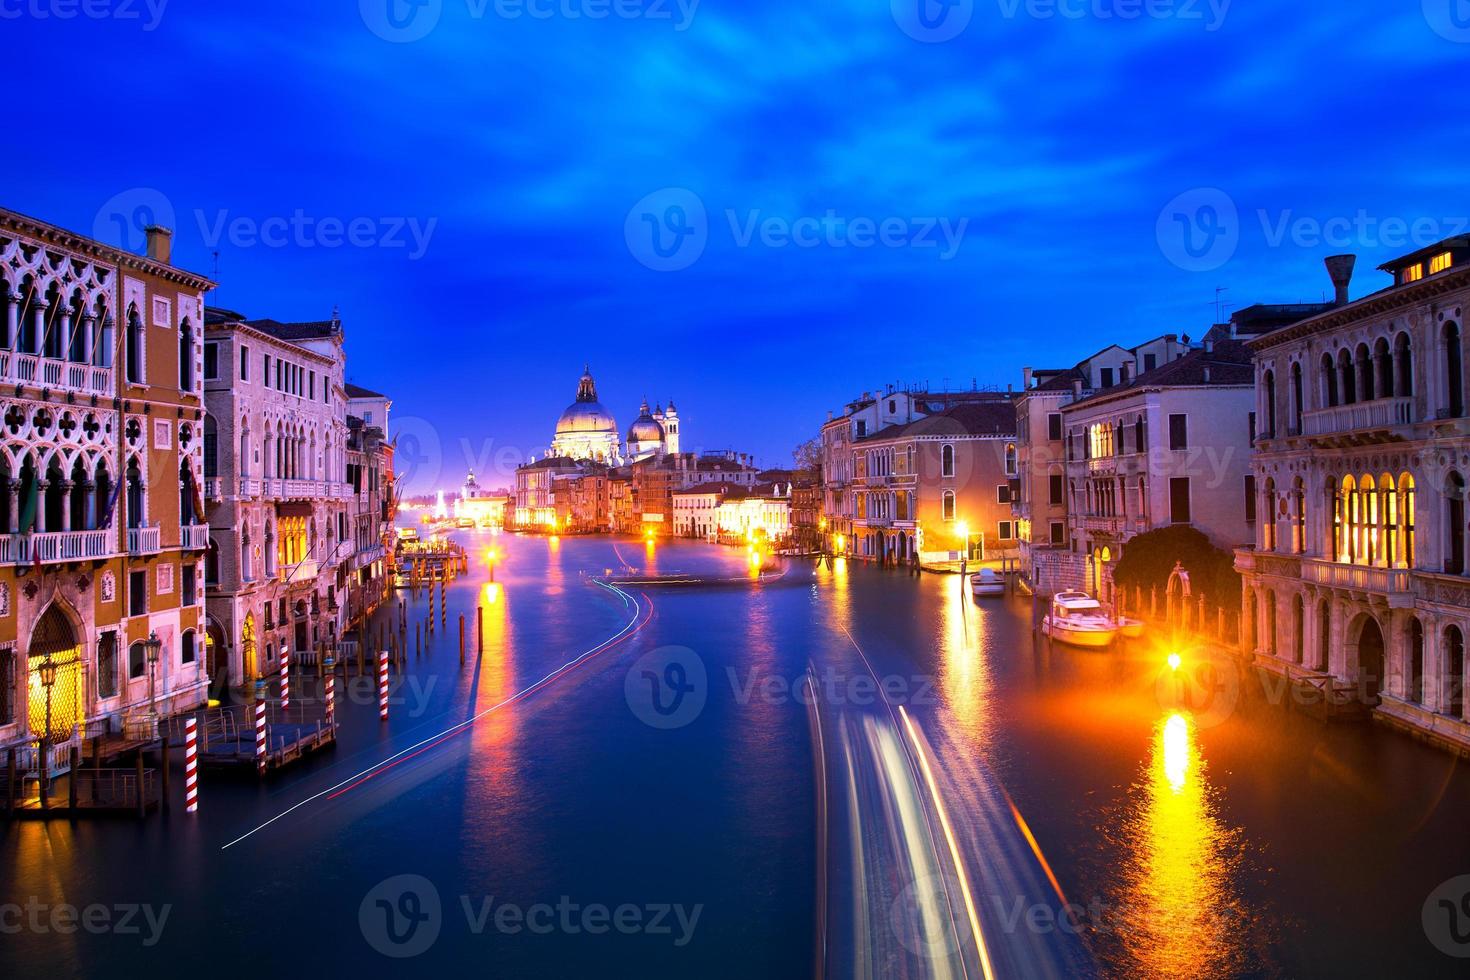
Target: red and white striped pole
260,731
285,678
331,694
383,685
191,764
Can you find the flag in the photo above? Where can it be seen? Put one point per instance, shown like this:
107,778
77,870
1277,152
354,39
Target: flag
106,521
30,506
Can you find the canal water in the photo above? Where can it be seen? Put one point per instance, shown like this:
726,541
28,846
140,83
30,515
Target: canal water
845,766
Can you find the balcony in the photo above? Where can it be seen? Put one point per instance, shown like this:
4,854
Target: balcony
144,541
280,489
194,537
212,487
1365,422
58,375
56,546
1391,582
303,571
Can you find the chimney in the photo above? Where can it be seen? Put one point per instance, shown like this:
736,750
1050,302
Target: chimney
1026,378
1077,388
1209,346
160,243
1207,374
1340,268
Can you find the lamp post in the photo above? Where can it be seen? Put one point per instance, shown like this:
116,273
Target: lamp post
48,681
152,646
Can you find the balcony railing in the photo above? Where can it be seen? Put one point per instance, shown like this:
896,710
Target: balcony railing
144,541
275,488
194,537
1364,417
1360,578
56,546
212,487
50,372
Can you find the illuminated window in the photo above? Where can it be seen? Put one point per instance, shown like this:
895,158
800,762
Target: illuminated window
1412,273
946,507
1440,262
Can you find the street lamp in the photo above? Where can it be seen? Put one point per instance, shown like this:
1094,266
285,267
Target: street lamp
48,681
491,557
152,646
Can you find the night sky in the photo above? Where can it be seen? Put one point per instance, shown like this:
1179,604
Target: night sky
990,185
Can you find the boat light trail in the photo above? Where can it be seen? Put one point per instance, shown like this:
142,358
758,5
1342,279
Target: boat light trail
954,850
640,619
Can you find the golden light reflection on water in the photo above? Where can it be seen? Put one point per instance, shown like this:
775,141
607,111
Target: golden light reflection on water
1178,905
963,677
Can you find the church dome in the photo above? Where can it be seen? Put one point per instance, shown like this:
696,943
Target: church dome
645,428
586,414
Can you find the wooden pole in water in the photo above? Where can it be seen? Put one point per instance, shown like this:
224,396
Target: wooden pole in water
163,772
461,639
76,771
443,607
418,633
142,797
479,631
191,758
10,781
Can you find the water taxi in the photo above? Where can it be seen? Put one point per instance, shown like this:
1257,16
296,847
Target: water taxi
1078,619
987,583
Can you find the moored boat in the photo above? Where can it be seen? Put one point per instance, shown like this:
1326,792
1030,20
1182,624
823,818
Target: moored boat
987,583
1130,628
1078,619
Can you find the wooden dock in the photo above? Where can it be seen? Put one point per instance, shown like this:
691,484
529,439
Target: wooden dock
227,737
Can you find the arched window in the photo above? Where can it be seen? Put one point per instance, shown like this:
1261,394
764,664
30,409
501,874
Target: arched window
186,356
1404,365
1383,365
1268,385
186,647
1348,522
137,661
1299,629
1347,377
1388,521
1298,398
1010,459
1298,516
1324,635
946,505
1268,522
1365,374
211,563
211,447
1454,672
134,342
1369,540
1271,622
946,460
1329,382
135,494
1454,502
1406,518
1414,689
1454,371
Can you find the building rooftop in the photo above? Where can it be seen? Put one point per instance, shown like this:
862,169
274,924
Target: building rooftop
996,417
304,330
1227,362
358,391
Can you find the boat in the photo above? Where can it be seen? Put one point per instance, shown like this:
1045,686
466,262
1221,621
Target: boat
987,583
1130,628
408,534
1078,619
465,522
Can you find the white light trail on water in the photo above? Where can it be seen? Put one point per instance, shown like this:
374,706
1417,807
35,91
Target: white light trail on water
632,626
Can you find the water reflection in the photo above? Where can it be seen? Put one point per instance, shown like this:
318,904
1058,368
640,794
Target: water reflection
1176,910
963,674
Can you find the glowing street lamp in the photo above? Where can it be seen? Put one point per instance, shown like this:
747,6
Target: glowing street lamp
152,646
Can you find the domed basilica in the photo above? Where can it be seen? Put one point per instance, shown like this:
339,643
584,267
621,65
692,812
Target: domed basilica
588,431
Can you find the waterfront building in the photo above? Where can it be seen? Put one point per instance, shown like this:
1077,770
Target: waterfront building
476,503
860,418
696,509
283,518
1169,447
1358,578
1039,492
806,513
937,488
367,575
535,506
101,603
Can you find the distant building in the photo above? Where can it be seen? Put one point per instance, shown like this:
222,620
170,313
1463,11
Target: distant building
587,431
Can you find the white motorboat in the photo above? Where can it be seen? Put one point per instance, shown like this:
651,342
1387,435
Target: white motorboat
1131,629
1078,619
987,583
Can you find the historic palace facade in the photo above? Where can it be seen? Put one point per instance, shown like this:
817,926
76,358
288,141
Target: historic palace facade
1358,577
101,533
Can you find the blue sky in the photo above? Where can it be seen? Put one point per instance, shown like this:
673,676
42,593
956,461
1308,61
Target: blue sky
844,195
